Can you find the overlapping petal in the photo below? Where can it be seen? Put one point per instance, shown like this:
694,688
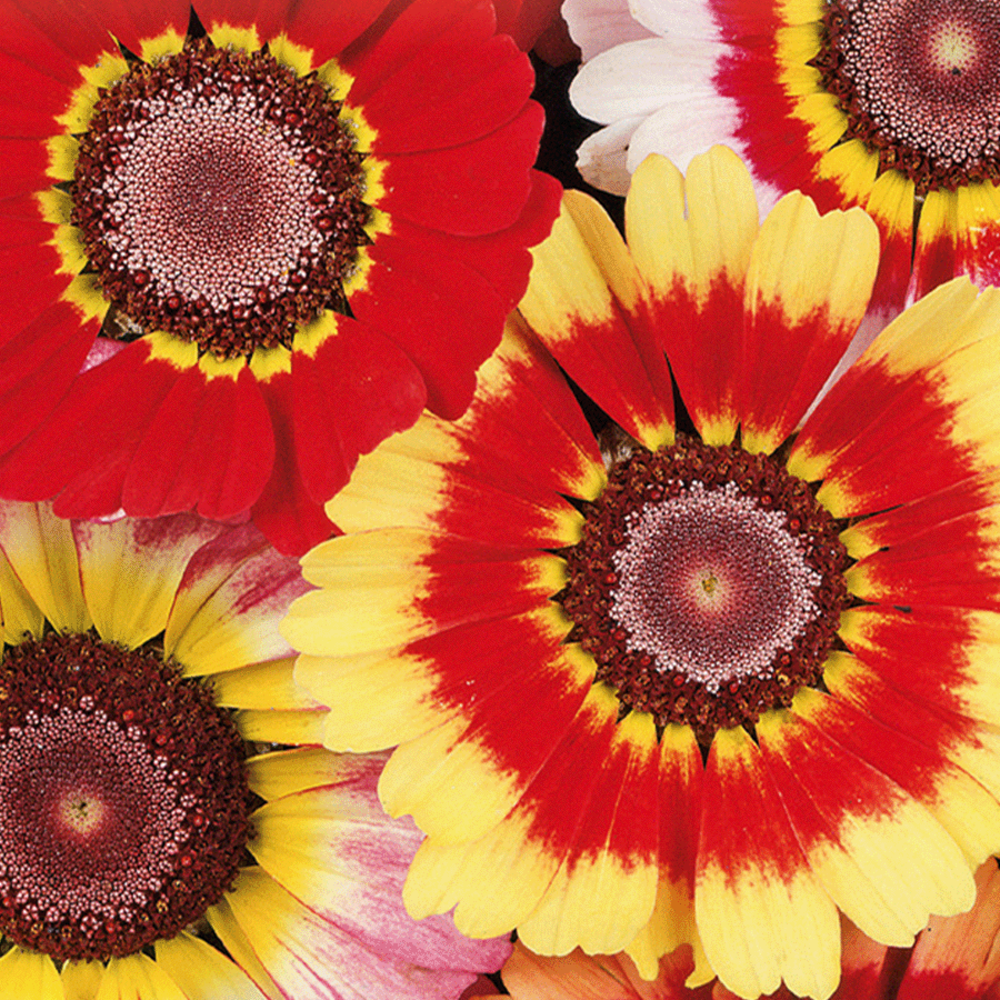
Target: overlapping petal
438,103
437,624
327,894
675,79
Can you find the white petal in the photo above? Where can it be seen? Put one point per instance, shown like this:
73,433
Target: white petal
639,78
601,157
688,18
690,123
599,25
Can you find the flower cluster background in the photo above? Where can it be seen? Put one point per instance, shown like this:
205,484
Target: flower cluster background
499,497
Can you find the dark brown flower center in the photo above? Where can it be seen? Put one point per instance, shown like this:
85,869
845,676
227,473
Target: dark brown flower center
123,798
219,198
920,83
707,586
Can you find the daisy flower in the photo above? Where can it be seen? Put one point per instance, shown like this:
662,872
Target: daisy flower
706,685
170,828
887,104
955,957
242,249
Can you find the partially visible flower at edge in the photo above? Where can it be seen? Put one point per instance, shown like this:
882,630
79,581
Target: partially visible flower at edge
162,789
655,688
955,957
887,105
241,251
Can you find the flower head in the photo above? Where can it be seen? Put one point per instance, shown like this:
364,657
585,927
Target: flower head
246,249
162,790
887,104
697,686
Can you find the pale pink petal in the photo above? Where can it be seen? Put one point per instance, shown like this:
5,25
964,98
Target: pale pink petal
233,594
337,851
598,25
601,157
689,18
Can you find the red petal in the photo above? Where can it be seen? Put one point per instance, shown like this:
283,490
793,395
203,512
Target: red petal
463,86
208,446
87,443
349,392
291,519
29,266
25,164
56,36
401,36
329,29
513,684
479,187
32,118
441,313
501,258
37,367
920,651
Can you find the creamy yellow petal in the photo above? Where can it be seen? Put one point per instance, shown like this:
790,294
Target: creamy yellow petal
42,552
29,975
137,977
262,686
294,727
374,582
203,972
223,921
130,569
19,614
470,874
365,689
81,980
273,775
691,231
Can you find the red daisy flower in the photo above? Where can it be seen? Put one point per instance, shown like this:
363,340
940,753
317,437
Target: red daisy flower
244,249
702,688
888,104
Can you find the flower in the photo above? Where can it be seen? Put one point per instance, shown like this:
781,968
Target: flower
241,251
953,956
887,104
675,687
162,792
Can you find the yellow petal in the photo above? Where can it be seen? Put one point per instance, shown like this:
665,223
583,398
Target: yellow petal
137,977
28,975
203,972
81,980
42,553
262,686
273,775
130,569
295,728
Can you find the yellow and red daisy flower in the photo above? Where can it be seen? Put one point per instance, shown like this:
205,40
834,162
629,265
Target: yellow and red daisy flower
953,957
707,686
170,827
887,104
241,250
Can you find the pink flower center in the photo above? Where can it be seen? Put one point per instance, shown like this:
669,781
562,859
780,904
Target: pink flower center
219,198
920,83
707,586
712,585
123,799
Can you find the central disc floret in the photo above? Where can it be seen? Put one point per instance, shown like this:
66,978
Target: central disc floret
123,799
219,198
920,83
708,585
